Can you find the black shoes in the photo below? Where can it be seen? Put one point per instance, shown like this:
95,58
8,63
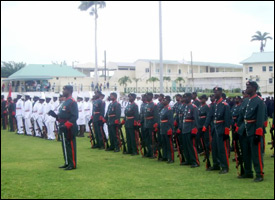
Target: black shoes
194,166
245,176
258,179
63,166
224,171
69,168
170,161
213,169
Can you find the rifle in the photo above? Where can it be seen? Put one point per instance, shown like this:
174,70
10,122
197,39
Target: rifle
272,136
140,141
45,130
105,140
56,132
24,128
33,131
206,153
92,137
38,127
122,139
180,153
238,154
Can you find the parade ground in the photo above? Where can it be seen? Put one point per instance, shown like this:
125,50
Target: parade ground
29,170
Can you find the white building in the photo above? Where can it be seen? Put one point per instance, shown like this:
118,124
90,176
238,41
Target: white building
260,67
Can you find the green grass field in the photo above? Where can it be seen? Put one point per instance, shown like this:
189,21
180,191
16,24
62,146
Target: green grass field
29,169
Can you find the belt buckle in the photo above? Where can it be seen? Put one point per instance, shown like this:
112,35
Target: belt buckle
215,121
245,121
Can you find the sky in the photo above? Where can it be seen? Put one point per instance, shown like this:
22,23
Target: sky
41,32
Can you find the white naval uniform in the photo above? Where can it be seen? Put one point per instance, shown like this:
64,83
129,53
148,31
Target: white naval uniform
49,121
87,113
27,116
41,117
55,109
35,117
19,116
81,116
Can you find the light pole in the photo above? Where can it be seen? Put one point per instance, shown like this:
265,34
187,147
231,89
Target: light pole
160,49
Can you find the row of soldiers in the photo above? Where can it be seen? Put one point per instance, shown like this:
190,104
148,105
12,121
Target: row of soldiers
191,125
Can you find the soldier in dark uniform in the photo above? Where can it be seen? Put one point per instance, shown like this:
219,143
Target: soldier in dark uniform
4,112
190,131
112,118
178,123
151,123
222,121
131,123
97,119
11,112
177,104
67,117
204,109
196,101
166,130
142,122
158,137
252,118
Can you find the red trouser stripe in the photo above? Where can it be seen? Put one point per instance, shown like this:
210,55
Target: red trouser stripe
72,145
137,142
226,153
264,142
195,150
260,158
103,139
172,148
118,138
210,139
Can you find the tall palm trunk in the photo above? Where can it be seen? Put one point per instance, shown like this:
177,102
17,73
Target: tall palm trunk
96,67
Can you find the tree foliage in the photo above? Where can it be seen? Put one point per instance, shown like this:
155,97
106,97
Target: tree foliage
8,68
261,37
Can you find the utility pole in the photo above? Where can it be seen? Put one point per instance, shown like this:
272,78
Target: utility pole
160,49
192,72
105,63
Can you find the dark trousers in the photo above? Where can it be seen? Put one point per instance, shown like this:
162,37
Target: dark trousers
149,134
219,151
98,134
71,150
64,147
252,153
114,137
12,123
4,121
131,140
167,147
190,150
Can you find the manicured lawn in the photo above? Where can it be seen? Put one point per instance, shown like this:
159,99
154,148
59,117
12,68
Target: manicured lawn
29,169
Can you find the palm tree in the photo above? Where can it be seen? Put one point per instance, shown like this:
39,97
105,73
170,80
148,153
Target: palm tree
179,80
153,79
261,37
123,81
167,79
136,80
94,5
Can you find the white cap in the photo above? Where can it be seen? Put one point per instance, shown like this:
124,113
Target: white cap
42,96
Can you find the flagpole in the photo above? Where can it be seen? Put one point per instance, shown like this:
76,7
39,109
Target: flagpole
160,49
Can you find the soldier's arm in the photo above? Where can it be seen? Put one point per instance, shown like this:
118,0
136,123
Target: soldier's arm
196,116
118,111
260,118
170,118
73,115
209,116
156,114
227,119
136,115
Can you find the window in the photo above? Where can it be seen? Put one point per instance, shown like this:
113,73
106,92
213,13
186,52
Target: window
250,69
179,71
271,68
257,79
271,81
264,68
157,71
147,70
169,71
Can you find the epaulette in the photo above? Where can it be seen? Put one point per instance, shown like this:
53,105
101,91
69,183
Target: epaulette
225,103
261,98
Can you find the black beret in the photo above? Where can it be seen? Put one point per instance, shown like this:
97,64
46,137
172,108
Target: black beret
253,84
187,95
133,95
203,97
217,89
168,98
69,88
